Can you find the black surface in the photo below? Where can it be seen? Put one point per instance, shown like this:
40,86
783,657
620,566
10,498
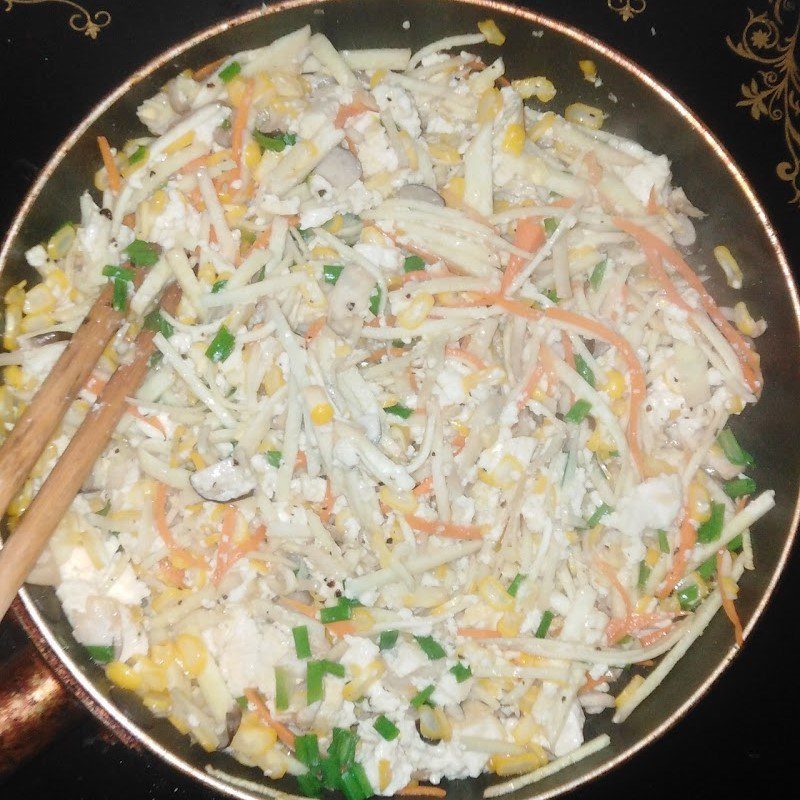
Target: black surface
740,740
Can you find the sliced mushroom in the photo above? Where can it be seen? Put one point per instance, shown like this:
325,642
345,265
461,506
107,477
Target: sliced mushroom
224,481
340,168
51,337
420,193
223,136
176,94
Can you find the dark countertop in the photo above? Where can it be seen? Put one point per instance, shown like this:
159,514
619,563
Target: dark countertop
736,740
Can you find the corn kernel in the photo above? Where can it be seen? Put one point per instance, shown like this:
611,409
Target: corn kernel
626,695
453,192
235,90
643,604
745,322
371,235
492,33
377,77
444,153
698,502
404,502
39,300
509,624
730,266
252,155
518,764
322,413
180,143
163,653
506,473
652,556
527,700
490,105
614,384
589,69
57,280
495,594
123,676
14,376
61,242
582,114
179,723
417,311
384,773
253,738
514,139
539,87
333,225
158,704
153,676
13,322
273,380
191,654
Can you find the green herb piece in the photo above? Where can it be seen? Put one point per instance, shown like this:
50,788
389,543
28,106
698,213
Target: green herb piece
513,587
739,487
431,647
551,295
315,672
221,345
375,300
598,514
219,285
156,323
663,542
343,747
137,155
579,411
275,141
354,784
399,410
544,624
301,644
337,613
226,124
330,772
422,697
309,784
413,264
331,273
644,574
550,225
332,668
103,512
584,370
118,273
461,672
688,597
120,299
274,458
363,781
101,653
155,359
708,568
141,253
733,450
386,728
281,688
388,639
241,701
230,71
306,750
736,544
711,529
598,273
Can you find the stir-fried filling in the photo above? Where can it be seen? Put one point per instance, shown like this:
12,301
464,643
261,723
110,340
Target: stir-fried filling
436,446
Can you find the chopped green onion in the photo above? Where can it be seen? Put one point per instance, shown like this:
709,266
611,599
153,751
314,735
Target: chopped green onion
707,569
219,286
274,458
103,512
155,322
711,529
663,542
363,781
337,613
598,514
141,253
375,300
413,264
598,273
330,771
688,597
120,273
221,345
306,750
241,701
644,574
226,124
732,449
550,225
739,487
386,728
461,672
315,672
137,155
101,653
281,688
579,411
544,625
421,698
584,370
431,647
354,784
513,587
155,359
275,141
343,746
120,300
551,295
332,668
331,273
301,644
399,410
230,71
309,784
388,639
736,544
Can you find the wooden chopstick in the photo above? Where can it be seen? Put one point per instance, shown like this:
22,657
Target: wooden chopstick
38,422
56,494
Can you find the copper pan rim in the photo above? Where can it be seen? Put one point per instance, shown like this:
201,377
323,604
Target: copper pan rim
38,628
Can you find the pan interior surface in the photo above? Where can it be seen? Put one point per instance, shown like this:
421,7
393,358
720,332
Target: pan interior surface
642,111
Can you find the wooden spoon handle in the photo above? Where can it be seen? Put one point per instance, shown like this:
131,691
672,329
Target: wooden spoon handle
55,496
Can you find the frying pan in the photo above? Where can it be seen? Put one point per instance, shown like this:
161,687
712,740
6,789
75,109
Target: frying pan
645,111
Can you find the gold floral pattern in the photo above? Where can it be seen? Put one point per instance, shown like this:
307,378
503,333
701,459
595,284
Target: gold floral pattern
772,39
82,20
627,9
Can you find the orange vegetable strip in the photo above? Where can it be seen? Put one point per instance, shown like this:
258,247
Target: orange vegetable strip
622,626
446,529
530,386
284,734
424,487
653,637
728,604
686,541
315,328
114,178
349,110
425,274
528,236
470,359
301,608
412,790
95,385
327,504
201,73
240,123
477,633
611,576
569,353
341,628
229,552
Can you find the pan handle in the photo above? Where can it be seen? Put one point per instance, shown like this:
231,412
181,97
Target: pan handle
35,707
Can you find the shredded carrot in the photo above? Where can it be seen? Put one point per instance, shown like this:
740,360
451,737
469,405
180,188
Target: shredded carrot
353,109
611,576
748,359
229,551
590,683
160,518
376,355
129,220
458,442
621,626
341,628
425,275
416,790
300,460
240,123
569,353
528,236
654,636
653,206
465,357
315,328
327,504
114,178
728,604
424,487
95,385
301,608
686,541
563,202
530,386
477,633
262,240
446,529
284,734
168,573
203,72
